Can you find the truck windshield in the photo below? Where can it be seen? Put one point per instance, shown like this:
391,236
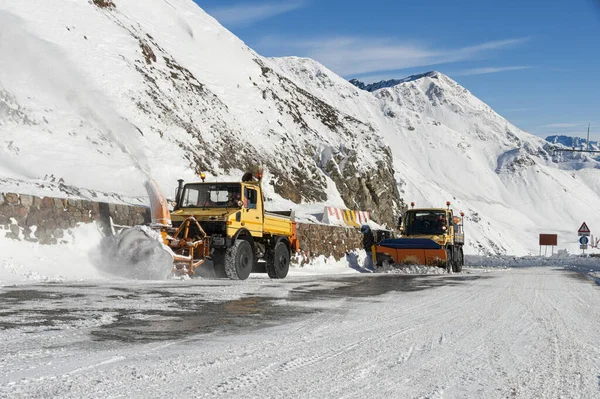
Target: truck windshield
425,222
210,195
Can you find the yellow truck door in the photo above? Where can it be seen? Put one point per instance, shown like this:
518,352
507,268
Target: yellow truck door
252,214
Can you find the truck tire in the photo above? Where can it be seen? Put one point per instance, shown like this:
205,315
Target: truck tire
218,259
239,259
460,261
449,259
278,261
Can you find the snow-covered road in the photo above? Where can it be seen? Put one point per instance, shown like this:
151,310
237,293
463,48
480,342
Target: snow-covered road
525,333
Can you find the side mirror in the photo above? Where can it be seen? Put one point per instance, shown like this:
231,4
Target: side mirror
399,221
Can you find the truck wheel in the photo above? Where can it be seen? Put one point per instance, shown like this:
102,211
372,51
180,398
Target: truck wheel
278,261
460,261
239,259
448,260
218,259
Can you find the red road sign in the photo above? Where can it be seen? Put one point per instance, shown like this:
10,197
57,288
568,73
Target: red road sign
584,229
549,239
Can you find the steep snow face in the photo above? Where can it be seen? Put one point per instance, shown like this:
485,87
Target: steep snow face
448,145
107,93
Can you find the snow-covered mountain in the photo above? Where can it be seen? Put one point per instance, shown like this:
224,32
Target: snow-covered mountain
449,145
574,142
99,95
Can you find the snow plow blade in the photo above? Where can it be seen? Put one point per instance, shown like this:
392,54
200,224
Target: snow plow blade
410,251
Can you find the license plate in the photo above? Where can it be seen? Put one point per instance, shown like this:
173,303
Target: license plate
218,240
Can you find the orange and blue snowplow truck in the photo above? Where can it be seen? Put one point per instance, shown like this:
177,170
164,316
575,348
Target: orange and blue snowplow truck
429,236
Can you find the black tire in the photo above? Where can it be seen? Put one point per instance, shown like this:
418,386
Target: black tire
278,261
456,265
460,261
218,259
449,262
239,260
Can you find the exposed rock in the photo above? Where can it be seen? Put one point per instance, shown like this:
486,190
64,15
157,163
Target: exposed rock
15,230
26,200
11,199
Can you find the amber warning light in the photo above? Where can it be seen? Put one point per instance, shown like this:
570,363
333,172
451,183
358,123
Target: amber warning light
203,176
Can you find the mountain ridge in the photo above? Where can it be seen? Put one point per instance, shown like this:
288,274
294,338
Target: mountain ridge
392,82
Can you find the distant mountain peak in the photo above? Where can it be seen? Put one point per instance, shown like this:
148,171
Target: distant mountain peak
393,82
569,141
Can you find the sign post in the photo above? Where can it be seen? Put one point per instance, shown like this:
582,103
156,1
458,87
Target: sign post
584,232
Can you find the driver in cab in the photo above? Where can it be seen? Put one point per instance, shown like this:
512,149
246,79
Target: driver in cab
234,200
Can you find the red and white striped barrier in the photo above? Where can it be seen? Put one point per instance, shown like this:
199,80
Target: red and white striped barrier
345,217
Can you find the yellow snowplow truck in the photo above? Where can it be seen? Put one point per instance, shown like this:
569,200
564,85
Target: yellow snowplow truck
430,236
227,224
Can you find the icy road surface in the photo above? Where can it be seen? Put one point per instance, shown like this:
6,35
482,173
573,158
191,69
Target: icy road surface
525,333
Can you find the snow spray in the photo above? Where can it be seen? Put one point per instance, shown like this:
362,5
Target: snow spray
135,253
43,64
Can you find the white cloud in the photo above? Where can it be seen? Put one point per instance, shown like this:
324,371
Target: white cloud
247,14
486,70
569,125
360,56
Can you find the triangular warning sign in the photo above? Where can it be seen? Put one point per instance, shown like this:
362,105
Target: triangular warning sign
584,229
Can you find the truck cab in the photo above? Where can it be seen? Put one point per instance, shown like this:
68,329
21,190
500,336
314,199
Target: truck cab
437,224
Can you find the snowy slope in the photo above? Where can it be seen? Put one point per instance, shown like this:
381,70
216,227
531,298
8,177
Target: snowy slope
102,96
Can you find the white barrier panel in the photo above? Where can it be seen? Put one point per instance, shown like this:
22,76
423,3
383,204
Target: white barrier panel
345,217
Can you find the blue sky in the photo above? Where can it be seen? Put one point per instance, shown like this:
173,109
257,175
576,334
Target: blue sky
536,62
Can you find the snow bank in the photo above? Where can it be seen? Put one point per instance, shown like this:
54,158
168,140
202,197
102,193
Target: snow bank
25,261
410,269
588,264
563,258
355,262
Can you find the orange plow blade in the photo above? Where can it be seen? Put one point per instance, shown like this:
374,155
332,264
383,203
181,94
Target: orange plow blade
410,251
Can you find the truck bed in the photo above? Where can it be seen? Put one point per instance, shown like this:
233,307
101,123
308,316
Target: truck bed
278,224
